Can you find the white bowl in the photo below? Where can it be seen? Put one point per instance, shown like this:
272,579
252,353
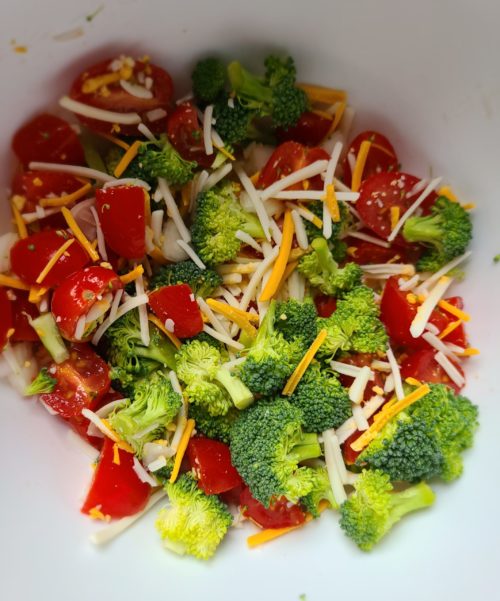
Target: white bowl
425,73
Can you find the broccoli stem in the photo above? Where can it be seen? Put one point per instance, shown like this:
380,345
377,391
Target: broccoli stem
307,448
411,499
423,229
46,328
253,227
247,85
241,396
164,354
43,383
326,260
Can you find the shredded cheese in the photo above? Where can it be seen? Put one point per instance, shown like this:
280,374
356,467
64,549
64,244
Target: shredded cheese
92,112
357,388
300,230
323,94
132,275
76,170
347,369
207,129
256,199
413,381
115,140
279,266
241,318
79,235
247,239
451,327
53,260
66,199
359,167
186,435
173,338
331,202
386,415
218,175
10,282
449,368
294,178
424,311
116,454
304,363
128,305
395,216
368,238
173,210
189,250
359,418
396,374
339,113
455,311
127,158
334,473
20,224
448,192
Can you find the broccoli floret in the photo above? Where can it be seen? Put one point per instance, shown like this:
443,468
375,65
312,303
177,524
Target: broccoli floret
164,473
217,218
234,122
194,523
297,321
123,348
209,384
217,427
204,337
323,272
270,359
354,325
321,491
201,281
447,231
405,449
154,405
267,445
275,95
208,78
43,383
322,399
373,509
452,419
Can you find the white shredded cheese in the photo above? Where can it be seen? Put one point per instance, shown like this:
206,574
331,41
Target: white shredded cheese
189,250
442,272
73,170
98,423
143,311
346,369
389,384
218,175
449,368
409,284
430,327
207,129
247,184
136,90
156,115
146,132
380,365
276,233
80,327
256,278
389,268
294,178
115,304
314,195
128,305
143,474
333,471
425,310
330,438
225,339
247,239
396,374
92,112
173,210
438,344
157,225
368,238
101,244
349,426
300,230
327,222
359,418
128,181
214,320
357,388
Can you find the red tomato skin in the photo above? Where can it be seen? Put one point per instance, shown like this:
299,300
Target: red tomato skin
178,304
365,252
325,305
122,214
186,135
381,156
286,158
6,317
309,130
30,255
82,381
116,489
211,461
457,336
360,360
121,101
21,308
35,185
78,293
349,454
47,138
279,515
422,366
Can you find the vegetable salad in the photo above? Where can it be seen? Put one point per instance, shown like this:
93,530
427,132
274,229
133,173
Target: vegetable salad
243,308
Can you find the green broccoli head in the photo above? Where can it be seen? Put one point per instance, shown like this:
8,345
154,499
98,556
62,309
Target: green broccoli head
217,427
405,449
452,419
199,365
322,271
297,321
337,247
321,491
447,231
267,445
194,522
154,405
217,218
373,509
164,473
354,325
208,78
43,383
275,95
202,282
233,121
270,359
322,399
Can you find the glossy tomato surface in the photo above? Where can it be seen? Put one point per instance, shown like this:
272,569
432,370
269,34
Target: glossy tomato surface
211,460
186,136
281,513
422,366
309,130
381,157
177,303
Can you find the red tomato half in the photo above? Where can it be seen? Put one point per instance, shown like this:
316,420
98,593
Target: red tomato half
422,366
22,309
325,305
116,489
49,139
177,303
367,252
280,515
35,185
309,130
78,294
186,135
211,461
381,156
112,97
6,317
122,214
380,192
360,360
30,255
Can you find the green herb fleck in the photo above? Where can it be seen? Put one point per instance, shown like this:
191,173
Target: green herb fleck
92,16
496,258
31,247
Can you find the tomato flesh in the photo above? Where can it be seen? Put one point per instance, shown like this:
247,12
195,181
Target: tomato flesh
116,489
279,515
122,214
49,139
177,303
30,255
211,461
325,305
35,185
422,366
381,156
361,360
186,135
309,130
22,310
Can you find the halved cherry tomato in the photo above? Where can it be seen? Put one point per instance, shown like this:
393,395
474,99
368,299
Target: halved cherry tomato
380,192
112,97
381,157
458,336
82,381
47,138
422,366
78,294
122,214
6,317
22,309
35,185
309,130
211,460
30,255
279,515
367,252
360,360
177,303
186,135
325,305
116,489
